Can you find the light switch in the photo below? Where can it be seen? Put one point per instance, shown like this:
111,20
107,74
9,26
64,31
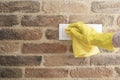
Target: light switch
63,35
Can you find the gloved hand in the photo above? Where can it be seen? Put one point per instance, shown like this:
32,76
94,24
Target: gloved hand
81,49
89,36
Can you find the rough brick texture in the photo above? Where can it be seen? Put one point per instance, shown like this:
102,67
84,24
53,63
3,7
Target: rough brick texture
8,20
43,48
57,6
64,60
105,60
106,7
10,73
71,48
20,6
92,72
20,60
9,47
46,73
42,20
20,34
117,69
93,19
118,21
52,34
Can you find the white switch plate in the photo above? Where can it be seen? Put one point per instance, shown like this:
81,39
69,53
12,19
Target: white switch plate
63,35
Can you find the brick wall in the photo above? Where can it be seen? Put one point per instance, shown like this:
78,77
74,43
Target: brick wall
29,45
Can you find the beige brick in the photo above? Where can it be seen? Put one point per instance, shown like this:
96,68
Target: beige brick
9,47
65,6
46,73
43,20
106,6
118,21
64,60
97,72
20,6
92,19
105,60
43,48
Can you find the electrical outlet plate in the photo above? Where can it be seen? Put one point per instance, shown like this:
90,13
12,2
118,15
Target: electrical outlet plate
63,35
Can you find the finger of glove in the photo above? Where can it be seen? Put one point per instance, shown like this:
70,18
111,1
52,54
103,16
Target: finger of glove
73,25
87,30
81,27
69,32
77,34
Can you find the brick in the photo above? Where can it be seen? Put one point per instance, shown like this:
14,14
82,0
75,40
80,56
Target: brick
43,48
63,6
71,48
118,21
51,34
9,47
42,20
106,6
20,34
97,72
117,69
64,60
8,20
102,79
10,73
20,60
46,73
113,29
105,60
104,51
62,79
92,19
20,6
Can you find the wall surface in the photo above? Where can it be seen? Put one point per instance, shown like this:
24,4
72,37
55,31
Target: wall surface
29,45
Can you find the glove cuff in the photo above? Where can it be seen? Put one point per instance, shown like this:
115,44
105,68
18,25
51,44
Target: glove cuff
103,40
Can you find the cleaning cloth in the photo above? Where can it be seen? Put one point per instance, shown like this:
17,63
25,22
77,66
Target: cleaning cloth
85,40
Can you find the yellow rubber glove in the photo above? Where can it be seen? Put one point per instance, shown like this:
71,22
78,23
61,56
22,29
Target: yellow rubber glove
85,39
